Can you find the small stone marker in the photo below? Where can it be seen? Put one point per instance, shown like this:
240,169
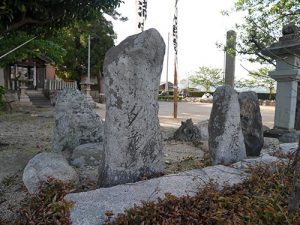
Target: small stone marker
226,141
251,123
133,142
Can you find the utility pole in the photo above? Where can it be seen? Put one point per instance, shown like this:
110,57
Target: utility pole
167,81
89,60
175,90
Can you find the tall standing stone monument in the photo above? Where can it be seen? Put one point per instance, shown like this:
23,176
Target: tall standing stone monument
230,58
226,140
287,74
133,142
251,123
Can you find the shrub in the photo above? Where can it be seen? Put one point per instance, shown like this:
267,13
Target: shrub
261,199
48,206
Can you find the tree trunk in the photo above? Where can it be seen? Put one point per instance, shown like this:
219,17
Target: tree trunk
294,201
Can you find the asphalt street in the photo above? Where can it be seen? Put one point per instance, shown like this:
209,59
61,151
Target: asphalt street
201,111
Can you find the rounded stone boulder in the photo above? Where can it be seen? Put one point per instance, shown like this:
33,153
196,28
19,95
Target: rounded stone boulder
45,165
76,122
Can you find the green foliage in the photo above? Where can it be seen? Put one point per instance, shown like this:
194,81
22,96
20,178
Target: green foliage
48,206
75,40
259,78
40,16
261,199
207,77
263,25
39,47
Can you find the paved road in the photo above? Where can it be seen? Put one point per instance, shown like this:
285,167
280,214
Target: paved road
195,110
200,111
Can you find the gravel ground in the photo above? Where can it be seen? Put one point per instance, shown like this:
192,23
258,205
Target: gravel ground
25,134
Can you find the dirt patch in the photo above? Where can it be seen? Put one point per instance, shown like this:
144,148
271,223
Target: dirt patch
25,134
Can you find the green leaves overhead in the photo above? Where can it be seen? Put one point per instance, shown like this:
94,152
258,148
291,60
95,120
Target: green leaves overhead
39,47
49,14
263,24
74,39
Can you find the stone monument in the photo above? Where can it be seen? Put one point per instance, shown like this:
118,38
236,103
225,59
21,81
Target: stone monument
287,74
251,123
132,140
226,140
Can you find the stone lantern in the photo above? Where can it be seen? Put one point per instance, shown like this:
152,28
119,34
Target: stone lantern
86,90
24,99
286,52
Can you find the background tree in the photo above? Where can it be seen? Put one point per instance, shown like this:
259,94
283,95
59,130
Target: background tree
262,25
259,78
35,15
36,48
74,39
207,77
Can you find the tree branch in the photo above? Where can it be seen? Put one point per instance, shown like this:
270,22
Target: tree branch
26,21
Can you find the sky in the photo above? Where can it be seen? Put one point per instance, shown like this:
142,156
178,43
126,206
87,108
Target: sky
200,26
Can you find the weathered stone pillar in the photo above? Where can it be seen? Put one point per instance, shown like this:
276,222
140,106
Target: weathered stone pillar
251,123
226,140
132,142
287,74
230,58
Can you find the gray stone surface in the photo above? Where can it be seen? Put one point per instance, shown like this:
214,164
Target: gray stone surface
288,148
271,146
203,127
133,142
87,159
226,141
271,142
289,137
90,206
265,159
188,131
251,123
45,165
91,154
76,123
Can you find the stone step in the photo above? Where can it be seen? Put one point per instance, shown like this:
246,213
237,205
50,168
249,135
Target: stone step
38,99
